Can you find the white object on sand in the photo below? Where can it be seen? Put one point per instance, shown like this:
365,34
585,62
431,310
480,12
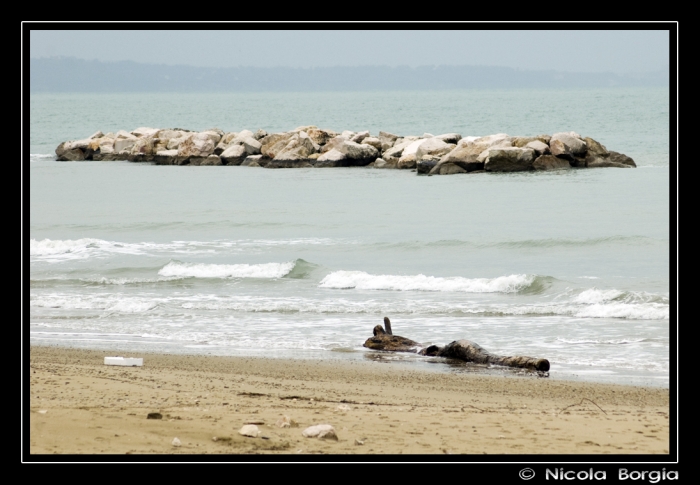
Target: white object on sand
128,361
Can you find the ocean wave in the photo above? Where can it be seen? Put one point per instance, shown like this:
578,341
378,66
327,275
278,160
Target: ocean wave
202,270
35,157
261,304
365,281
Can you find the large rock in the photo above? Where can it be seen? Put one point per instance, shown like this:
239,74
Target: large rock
106,145
550,162
233,155
144,146
144,131
567,145
425,166
299,147
260,134
509,159
523,141
253,161
540,147
210,160
358,154
465,156
196,145
214,136
301,163
450,169
381,163
387,140
370,140
407,161
450,137
272,144
497,140
251,145
166,157
358,137
332,158
66,154
320,137
613,159
433,146
595,148
321,431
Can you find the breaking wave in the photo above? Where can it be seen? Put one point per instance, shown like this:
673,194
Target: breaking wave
202,270
365,281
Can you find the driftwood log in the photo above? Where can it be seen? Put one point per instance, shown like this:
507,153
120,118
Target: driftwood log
465,350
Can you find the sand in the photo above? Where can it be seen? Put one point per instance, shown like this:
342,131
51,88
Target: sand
78,405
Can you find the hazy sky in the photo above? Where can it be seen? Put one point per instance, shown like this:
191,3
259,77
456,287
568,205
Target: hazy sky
619,51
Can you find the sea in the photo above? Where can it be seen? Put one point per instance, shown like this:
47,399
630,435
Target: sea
572,265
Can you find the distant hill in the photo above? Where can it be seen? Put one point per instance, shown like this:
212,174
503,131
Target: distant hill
67,74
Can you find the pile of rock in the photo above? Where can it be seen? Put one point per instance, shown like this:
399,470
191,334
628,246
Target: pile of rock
310,146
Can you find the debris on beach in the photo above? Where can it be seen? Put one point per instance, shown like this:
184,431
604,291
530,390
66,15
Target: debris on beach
465,350
313,147
249,430
176,442
321,431
286,422
154,416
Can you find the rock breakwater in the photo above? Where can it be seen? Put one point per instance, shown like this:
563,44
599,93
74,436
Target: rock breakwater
310,146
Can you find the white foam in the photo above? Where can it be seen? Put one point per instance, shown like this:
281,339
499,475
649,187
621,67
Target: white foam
594,295
201,270
364,281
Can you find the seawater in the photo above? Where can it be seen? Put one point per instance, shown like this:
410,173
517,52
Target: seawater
572,266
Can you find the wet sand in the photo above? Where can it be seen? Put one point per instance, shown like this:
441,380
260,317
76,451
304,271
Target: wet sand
78,405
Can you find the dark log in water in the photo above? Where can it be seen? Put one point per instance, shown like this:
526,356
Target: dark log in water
465,350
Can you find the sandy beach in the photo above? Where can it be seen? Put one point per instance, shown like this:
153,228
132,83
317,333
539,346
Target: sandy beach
78,405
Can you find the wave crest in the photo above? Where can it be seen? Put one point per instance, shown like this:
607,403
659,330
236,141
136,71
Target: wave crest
202,270
365,281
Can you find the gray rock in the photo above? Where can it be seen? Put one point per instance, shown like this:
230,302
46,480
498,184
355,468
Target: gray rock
387,140
550,162
465,156
358,137
212,160
301,163
567,145
252,159
381,163
510,159
450,137
165,157
196,145
320,137
424,166
370,140
539,147
144,131
233,155
407,161
450,168
271,145
434,147
595,148
260,134
522,141
251,145
359,154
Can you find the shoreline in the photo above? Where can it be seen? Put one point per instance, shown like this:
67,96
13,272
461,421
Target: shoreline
79,405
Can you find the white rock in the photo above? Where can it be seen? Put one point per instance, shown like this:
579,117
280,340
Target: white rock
333,156
360,136
176,442
343,407
42,411
249,430
144,131
321,431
